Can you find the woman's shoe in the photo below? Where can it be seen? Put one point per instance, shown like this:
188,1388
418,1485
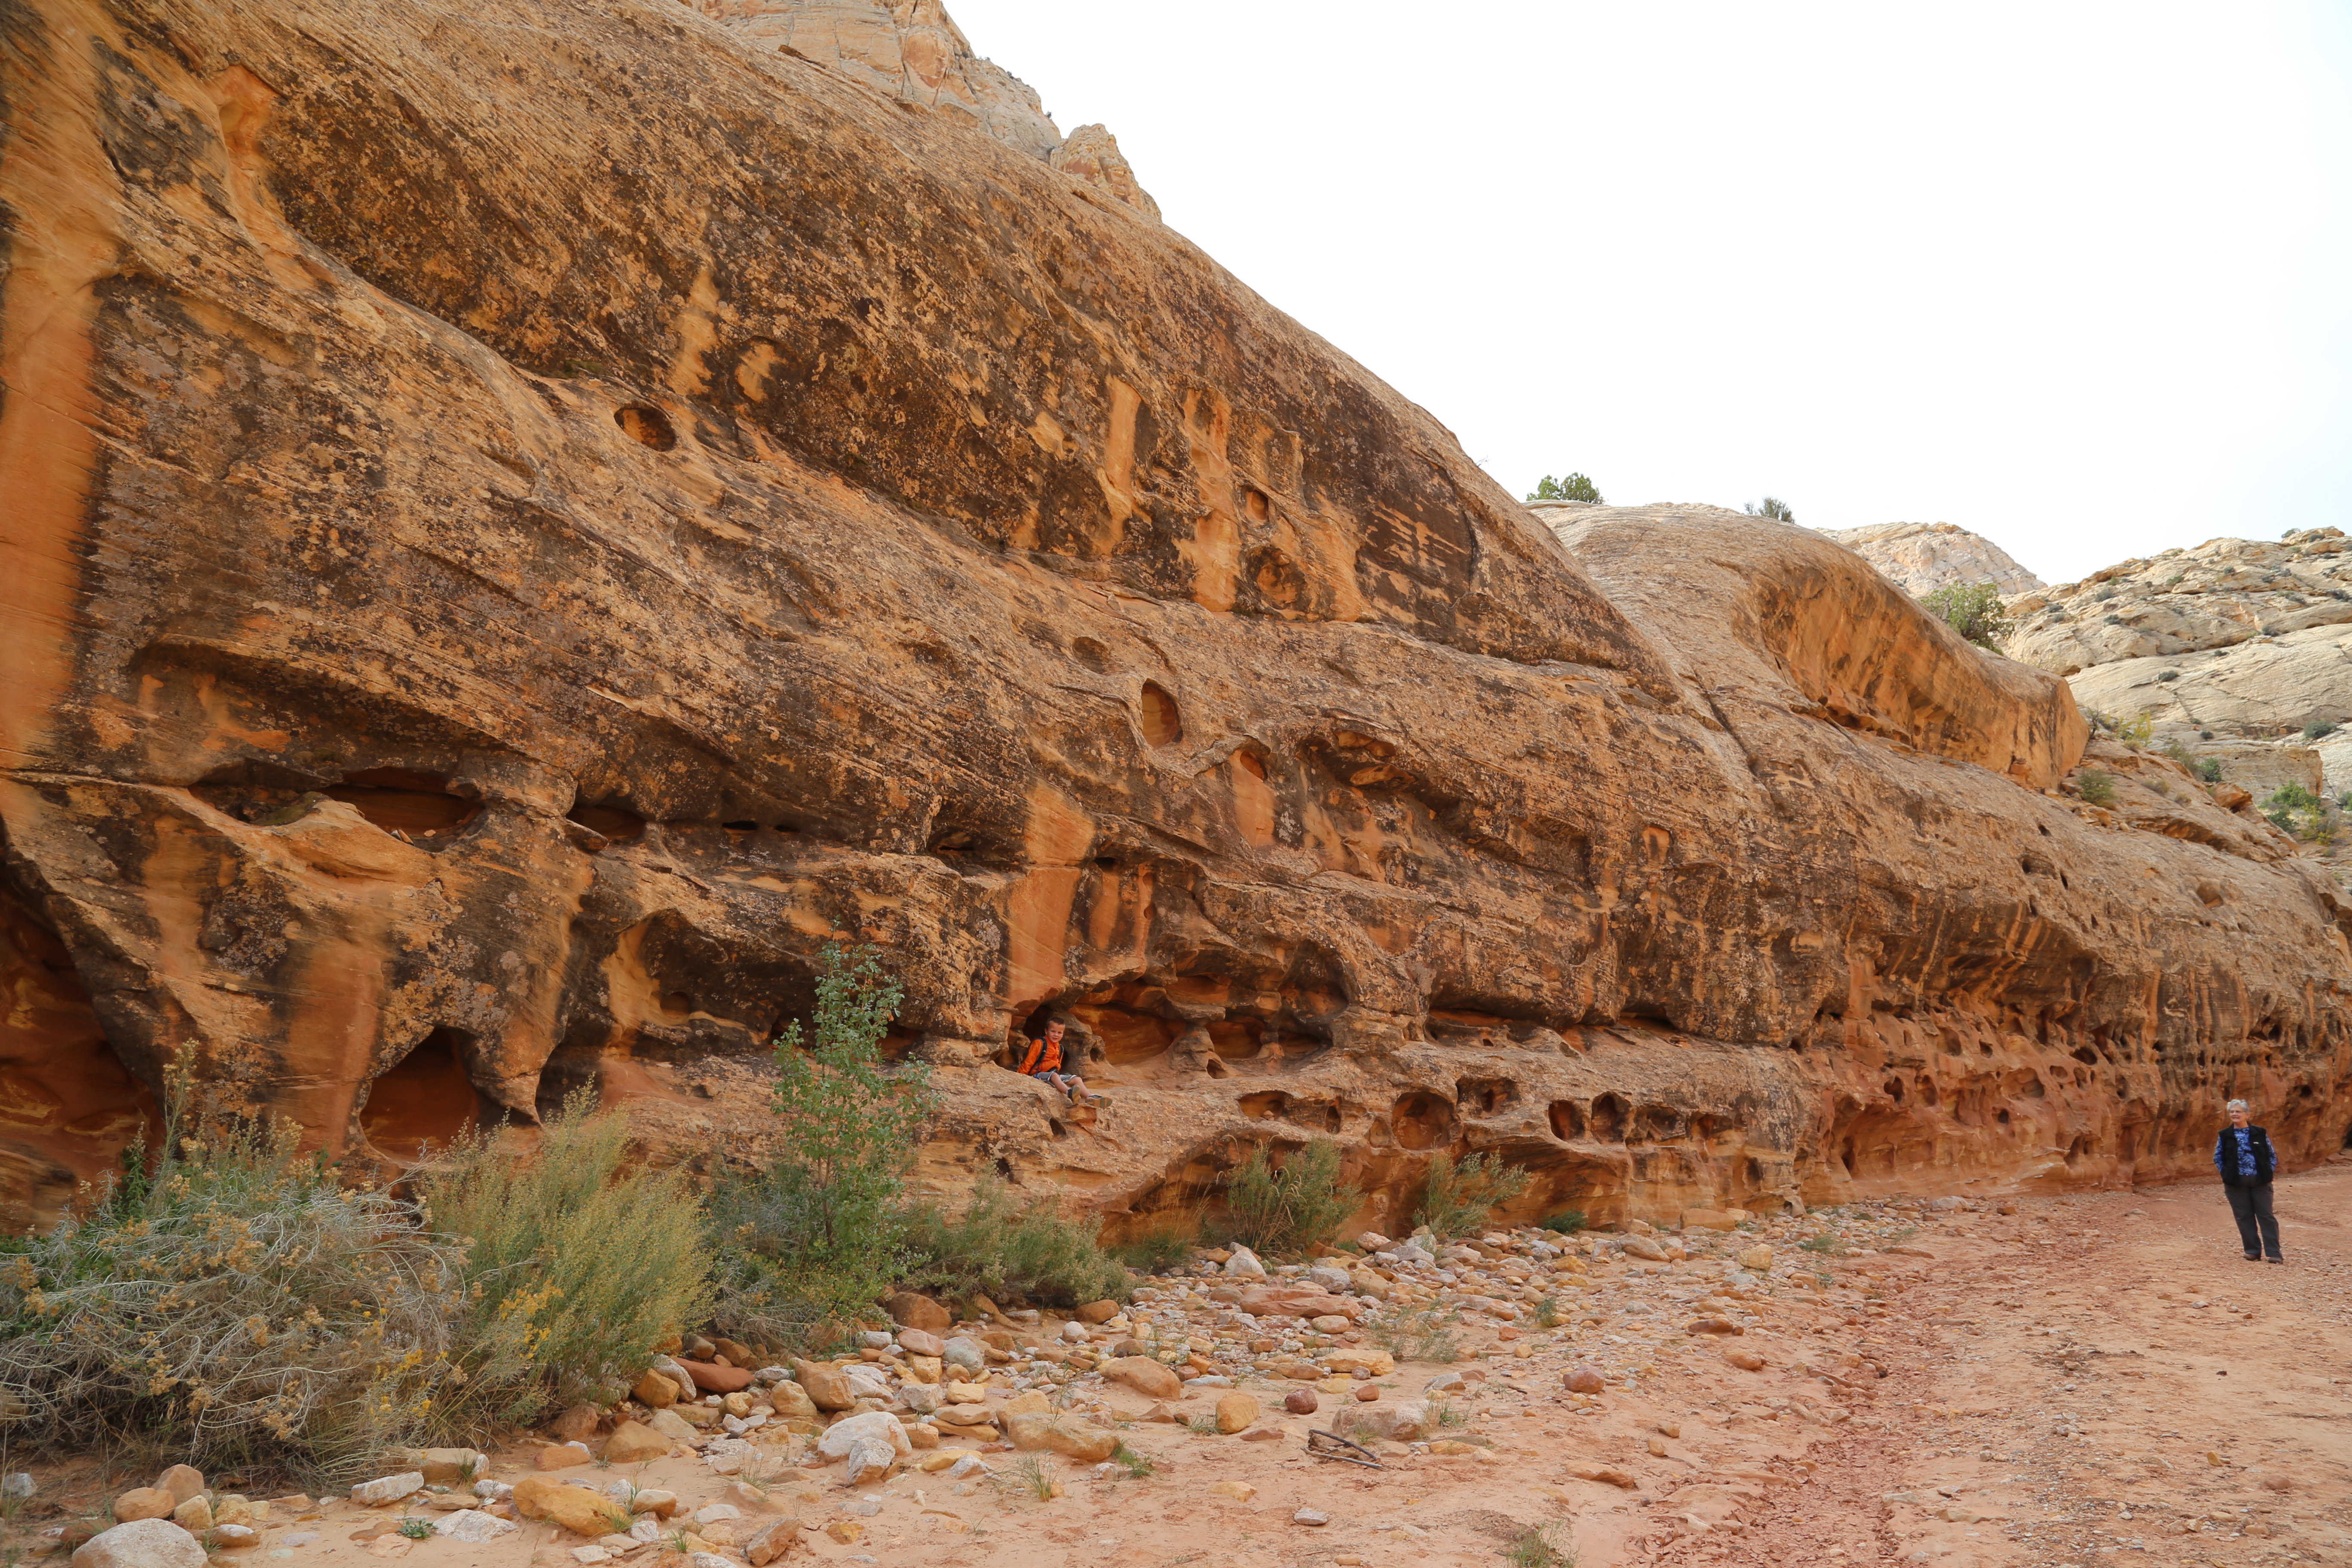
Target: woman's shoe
2274,1260
2254,1257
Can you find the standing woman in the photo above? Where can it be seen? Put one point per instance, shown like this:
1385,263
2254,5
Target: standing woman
2247,1163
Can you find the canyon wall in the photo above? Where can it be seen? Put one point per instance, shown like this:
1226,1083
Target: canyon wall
1922,557
520,531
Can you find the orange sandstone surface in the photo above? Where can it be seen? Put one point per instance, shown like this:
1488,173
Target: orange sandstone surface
515,531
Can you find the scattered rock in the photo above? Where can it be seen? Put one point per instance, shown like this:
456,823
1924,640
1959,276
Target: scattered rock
1406,1421
472,1526
670,1424
792,1402
144,1502
1240,1491
634,1443
1644,1248
231,1537
965,1352
771,1542
141,1543
1713,1326
921,1342
1065,1435
651,1389
1097,1312
1245,1264
1373,1241
1145,1375
1300,1401
563,1456
879,1425
826,1387
195,1516
847,1531
1745,1361
577,1424
1604,1475
183,1481
712,1378
1236,1411
1367,1392
386,1490
1313,1517
1585,1380
576,1508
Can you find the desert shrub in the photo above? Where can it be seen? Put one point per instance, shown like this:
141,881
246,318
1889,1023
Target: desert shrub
604,1261
2137,731
1568,1222
1005,1249
1576,487
2209,769
228,1299
1541,1546
1416,1334
2297,811
1772,506
2168,676
2318,729
1287,1210
2095,786
1164,1245
1458,1199
1973,610
812,1239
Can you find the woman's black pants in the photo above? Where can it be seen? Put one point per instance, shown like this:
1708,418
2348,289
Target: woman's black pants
2253,1207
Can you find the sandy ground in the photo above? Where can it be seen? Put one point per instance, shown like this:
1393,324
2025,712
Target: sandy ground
2094,1381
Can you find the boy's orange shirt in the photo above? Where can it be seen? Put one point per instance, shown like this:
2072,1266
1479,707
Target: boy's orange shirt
1050,1053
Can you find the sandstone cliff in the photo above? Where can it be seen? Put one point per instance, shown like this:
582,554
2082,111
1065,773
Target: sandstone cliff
1924,556
518,532
2234,647
912,51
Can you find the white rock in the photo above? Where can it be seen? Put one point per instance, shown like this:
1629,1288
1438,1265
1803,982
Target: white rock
836,1440
963,1351
388,1488
591,1554
472,1526
873,1339
141,1543
969,1465
773,1374
1310,1516
922,1398
17,1487
646,1532
869,1460
867,1383
1245,1264
233,1537
1338,1281
710,1559
711,1513
1076,1332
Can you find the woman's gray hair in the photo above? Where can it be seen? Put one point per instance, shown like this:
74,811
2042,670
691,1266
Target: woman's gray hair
2235,1105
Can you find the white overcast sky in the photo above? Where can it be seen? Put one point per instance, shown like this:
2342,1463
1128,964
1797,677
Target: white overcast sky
2077,276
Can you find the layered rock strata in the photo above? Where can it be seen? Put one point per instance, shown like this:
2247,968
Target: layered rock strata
520,533
1922,557
2236,648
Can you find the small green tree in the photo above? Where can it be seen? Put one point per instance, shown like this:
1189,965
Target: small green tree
1772,507
1458,1199
1973,610
1576,487
818,1234
1289,1209
2095,786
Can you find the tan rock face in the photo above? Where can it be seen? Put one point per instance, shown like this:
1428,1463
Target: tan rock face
1922,557
2230,650
609,551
